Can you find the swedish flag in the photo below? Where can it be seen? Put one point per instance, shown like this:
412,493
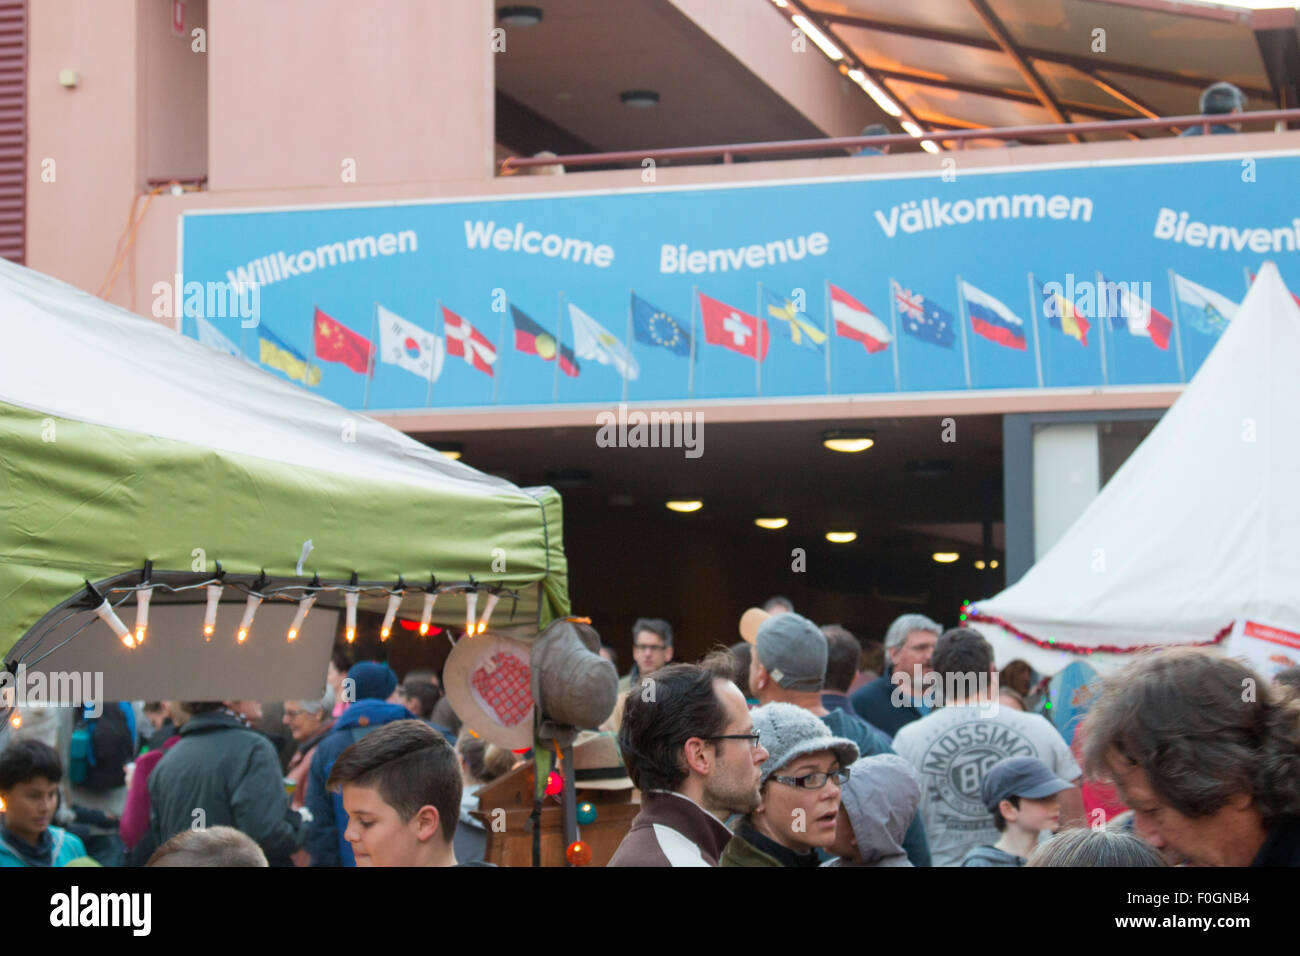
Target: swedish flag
274,353
797,325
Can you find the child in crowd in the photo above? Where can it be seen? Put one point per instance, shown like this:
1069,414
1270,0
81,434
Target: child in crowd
30,772
1022,794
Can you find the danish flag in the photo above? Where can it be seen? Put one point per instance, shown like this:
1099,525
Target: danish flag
467,342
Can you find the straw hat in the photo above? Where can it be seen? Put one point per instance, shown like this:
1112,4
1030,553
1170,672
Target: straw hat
751,621
488,681
598,763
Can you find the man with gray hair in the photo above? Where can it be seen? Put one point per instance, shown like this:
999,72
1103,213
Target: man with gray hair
1218,99
909,643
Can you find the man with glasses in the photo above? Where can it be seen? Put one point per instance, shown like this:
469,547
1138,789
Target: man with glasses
691,748
652,648
800,785
789,666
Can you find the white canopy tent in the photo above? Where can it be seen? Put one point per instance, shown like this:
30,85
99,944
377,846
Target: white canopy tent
1197,530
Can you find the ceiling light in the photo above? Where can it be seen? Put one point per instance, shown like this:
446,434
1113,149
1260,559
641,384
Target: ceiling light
520,16
639,99
876,93
772,524
993,564
929,146
685,505
451,449
841,537
945,557
848,440
911,128
824,44
980,565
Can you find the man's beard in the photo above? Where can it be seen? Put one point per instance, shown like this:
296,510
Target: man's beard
730,796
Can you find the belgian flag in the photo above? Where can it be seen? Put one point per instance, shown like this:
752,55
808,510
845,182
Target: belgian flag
530,337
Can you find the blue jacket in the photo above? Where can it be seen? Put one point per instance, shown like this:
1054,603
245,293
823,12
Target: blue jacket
67,847
325,840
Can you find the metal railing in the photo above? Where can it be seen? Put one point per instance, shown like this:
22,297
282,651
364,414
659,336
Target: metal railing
956,136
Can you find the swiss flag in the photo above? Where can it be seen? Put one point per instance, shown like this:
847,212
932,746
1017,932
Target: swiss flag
335,342
733,329
467,342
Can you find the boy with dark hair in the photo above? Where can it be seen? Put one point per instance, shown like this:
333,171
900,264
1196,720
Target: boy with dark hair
401,788
1024,797
30,772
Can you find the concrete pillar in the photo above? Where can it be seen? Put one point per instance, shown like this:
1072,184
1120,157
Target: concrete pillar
1067,477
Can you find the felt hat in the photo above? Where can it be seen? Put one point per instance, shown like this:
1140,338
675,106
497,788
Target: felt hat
598,763
573,685
487,678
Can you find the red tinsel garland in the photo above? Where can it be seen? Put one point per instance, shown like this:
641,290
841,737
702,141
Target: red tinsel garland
969,613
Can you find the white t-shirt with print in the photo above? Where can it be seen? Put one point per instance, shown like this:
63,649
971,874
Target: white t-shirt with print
952,749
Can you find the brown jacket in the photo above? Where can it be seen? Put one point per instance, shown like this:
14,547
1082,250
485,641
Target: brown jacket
672,830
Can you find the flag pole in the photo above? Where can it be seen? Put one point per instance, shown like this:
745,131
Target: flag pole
758,338
1038,350
1103,296
1178,327
826,327
559,326
1101,321
893,325
695,298
437,317
311,345
1245,273
501,351
965,344
629,343
370,366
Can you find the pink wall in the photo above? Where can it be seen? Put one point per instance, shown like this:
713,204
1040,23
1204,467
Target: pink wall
173,82
297,87
74,222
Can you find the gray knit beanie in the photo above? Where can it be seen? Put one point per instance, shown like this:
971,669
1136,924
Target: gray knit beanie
787,732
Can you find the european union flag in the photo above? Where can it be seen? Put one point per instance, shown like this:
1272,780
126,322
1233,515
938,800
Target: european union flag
653,326
923,319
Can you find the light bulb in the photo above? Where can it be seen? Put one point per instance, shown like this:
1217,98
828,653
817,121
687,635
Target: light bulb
390,612
210,614
16,721
350,602
142,613
303,607
109,617
426,613
250,608
487,612
471,616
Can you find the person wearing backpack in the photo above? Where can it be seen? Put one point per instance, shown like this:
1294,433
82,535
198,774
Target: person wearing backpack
222,773
371,684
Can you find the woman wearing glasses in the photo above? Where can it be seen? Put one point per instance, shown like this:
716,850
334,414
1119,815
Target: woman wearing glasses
800,782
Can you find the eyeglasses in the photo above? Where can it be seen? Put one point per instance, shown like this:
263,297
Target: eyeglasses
752,738
814,781
659,648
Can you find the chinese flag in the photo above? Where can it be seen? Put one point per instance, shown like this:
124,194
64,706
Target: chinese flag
335,342
733,329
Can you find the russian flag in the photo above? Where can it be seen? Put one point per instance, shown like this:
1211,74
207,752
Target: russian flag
993,320
853,320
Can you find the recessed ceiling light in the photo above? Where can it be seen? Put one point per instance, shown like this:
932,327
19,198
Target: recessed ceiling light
451,449
520,16
639,99
849,440
772,524
685,505
945,557
841,537
993,564
980,565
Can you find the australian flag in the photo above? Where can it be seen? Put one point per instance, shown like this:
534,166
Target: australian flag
653,326
922,318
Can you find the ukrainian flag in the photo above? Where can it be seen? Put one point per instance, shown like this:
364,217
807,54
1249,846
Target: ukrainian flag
1064,316
277,355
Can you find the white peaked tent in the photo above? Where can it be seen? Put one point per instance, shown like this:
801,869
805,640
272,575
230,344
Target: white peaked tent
1198,529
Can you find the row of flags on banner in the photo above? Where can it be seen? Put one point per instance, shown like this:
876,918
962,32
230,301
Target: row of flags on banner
409,346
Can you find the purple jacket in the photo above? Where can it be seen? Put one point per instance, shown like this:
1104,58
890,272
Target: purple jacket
671,830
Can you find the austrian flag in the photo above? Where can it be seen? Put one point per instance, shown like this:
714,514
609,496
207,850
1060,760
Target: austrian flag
465,341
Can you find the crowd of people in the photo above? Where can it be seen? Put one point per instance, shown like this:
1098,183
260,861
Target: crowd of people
798,746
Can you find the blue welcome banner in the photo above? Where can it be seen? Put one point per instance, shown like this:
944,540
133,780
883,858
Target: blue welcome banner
1115,274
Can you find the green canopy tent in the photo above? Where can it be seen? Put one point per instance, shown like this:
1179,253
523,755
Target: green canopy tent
122,442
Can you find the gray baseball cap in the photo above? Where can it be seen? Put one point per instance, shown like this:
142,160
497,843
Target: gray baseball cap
1019,777
793,650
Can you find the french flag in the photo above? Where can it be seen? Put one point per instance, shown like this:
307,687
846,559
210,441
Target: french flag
993,320
1141,317
853,320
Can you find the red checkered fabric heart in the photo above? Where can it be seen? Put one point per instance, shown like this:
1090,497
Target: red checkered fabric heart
502,684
